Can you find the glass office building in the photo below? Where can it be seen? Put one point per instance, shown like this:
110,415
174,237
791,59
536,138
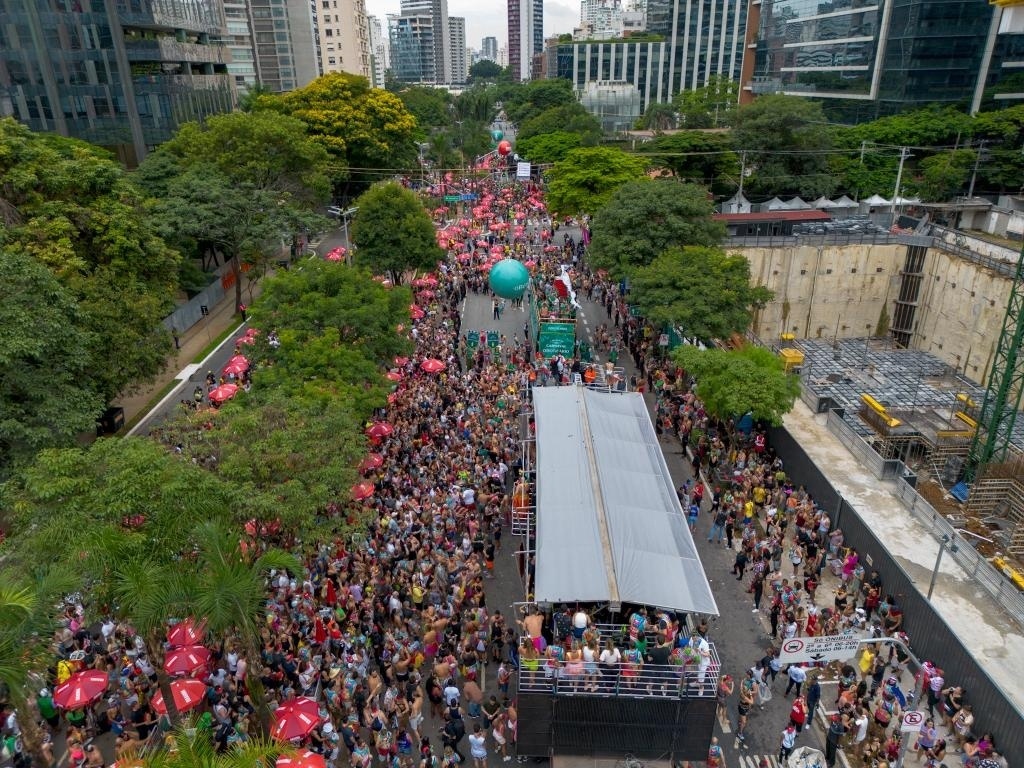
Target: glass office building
119,73
686,42
869,58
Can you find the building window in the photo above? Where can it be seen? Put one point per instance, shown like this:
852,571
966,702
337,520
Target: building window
332,61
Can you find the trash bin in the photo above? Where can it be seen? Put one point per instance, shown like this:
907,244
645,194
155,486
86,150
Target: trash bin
110,421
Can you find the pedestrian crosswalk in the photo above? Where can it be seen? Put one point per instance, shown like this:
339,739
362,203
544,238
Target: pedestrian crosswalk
759,761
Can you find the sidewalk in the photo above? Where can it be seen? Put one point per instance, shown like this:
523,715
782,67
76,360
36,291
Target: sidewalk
192,342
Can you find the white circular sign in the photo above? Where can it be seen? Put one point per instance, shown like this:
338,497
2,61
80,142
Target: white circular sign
793,646
912,721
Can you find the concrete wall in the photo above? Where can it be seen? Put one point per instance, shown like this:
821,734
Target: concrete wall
819,289
961,312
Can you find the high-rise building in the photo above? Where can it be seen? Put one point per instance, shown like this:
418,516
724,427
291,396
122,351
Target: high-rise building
285,43
525,35
343,36
457,37
239,41
120,74
866,60
489,49
412,48
503,56
437,10
379,49
693,40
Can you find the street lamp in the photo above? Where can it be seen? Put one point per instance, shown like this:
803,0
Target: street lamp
938,560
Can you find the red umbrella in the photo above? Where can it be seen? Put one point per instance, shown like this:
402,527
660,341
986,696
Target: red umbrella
426,294
295,719
336,254
188,694
430,365
417,314
306,759
186,660
363,490
393,376
224,392
235,368
401,361
380,429
371,462
81,689
186,632
246,340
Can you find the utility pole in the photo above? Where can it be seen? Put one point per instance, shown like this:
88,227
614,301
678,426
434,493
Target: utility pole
863,147
904,154
974,173
743,171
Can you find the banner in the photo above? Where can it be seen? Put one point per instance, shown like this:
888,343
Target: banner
557,339
522,170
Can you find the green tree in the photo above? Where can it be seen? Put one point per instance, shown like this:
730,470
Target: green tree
643,219
44,361
359,126
705,292
393,232
943,175
29,607
657,117
484,70
195,748
699,157
243,183
69,206
528,100
430,106
571,117
585,180
732,383
787,142
547,148
710,106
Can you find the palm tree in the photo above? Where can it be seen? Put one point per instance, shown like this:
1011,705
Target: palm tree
194,748
229,592
28,616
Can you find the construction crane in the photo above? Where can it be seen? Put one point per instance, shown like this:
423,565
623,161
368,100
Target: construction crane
999,410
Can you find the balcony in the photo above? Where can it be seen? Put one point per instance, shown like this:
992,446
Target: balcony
169,49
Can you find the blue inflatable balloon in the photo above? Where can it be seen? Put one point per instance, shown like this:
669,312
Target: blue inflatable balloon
509,278
497,134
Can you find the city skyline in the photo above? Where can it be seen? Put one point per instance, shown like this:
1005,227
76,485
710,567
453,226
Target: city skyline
490,18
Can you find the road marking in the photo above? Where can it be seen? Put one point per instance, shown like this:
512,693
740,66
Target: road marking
756,761
723,723
187,371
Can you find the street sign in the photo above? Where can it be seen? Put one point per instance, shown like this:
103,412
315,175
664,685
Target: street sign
557,339
472,339
452,198
523,170
492,339
911,722
804,650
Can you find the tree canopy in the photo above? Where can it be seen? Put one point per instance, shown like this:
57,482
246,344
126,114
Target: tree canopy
585,179
547,148
394,232
643,219
44,358
242,183
787,141
657,117
703,291
698,157
570,117
732,383
485,69
711,106
69,207
360,127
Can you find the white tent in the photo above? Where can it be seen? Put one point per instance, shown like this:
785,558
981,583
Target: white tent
609,524
775,204
875,200
824,204
738,203
845,202
797,204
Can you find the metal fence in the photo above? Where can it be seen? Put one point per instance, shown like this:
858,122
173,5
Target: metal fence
637,679
981,571
187,315
930,635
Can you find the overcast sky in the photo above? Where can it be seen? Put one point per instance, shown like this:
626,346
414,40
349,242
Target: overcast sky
490,17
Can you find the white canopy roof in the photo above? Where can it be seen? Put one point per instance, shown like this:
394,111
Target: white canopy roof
823,203
876,200
797,204
609,524
775,204
845,202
